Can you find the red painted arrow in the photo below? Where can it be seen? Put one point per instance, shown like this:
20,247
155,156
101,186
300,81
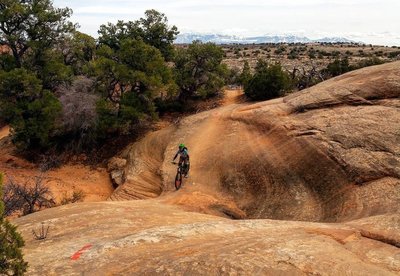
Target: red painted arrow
78,254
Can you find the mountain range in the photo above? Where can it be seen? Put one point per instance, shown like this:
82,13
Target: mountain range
186,38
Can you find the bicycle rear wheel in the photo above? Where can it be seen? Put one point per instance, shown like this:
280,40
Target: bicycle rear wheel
178,181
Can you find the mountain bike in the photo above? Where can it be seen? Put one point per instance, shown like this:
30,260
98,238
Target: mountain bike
179,174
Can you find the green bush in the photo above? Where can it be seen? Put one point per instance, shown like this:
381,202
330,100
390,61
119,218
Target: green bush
341,66
107,119
394,54
168,105
245,75
280,50
11,242
335,54
368,62
269,81
312,54
233,76
338,67
30,110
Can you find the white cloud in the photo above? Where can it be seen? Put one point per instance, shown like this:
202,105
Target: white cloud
375,21
102,10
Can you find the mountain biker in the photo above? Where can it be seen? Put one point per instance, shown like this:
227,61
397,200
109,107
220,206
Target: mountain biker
183,158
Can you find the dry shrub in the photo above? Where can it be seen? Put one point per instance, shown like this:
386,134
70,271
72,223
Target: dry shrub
79,115
28,197
77,196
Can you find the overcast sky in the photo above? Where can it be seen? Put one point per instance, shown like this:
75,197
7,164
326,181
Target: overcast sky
370,21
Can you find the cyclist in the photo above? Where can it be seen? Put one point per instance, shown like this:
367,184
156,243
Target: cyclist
183,158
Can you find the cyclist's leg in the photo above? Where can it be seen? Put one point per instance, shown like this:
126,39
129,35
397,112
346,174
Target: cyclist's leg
187,167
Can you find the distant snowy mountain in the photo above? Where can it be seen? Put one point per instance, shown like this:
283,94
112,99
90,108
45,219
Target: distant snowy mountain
215,38
334,40
186,38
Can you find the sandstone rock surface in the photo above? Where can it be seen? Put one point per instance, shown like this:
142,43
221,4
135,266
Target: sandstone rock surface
330,153
149,238
318,171
116,167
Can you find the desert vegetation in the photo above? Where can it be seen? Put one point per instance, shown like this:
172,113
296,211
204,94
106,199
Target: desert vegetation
269,78
33,194
308,64
63,90
11,259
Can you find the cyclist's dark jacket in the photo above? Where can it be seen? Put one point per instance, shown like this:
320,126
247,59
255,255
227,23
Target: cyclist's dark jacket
183,153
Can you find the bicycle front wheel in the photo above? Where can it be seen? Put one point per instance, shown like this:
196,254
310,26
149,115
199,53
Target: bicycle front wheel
178,181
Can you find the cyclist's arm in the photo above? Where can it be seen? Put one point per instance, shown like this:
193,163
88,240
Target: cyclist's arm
176,155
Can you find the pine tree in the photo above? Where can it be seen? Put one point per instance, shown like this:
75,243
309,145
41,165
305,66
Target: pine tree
11,259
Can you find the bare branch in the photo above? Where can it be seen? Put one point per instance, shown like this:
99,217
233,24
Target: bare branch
28,197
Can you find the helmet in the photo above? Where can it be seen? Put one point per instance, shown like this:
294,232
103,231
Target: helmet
181,146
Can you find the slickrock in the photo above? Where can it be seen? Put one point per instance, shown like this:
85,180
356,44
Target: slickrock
149,238
318,171
329,153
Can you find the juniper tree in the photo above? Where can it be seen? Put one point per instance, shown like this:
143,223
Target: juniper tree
32,26
28,108
153,29
33,68
128,78
199,70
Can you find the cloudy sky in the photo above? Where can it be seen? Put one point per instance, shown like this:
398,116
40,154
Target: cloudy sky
370,21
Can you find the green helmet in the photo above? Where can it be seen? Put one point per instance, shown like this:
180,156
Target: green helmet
181,146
